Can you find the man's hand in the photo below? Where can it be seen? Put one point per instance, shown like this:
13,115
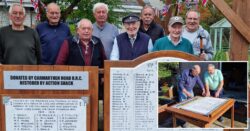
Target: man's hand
203,56
208,94
203,93
189,95
217,94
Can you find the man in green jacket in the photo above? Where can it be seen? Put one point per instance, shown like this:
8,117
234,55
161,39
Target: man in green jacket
174,41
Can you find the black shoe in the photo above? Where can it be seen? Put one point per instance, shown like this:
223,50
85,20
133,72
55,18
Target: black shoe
221,119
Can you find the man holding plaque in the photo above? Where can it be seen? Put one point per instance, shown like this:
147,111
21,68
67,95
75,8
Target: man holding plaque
198,36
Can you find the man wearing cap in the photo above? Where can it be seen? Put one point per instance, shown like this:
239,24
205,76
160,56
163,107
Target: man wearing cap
174,41
131,44
198,36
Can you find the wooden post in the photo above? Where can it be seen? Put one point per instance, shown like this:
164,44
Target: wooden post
239,18
239,45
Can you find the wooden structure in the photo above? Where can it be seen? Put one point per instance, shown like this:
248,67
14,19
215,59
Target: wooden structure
131,64
239,18
201,120
92,92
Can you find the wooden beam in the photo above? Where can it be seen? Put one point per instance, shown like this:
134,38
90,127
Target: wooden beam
141,2
235,20
238,44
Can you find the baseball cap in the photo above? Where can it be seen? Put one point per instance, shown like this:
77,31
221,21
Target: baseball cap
175,19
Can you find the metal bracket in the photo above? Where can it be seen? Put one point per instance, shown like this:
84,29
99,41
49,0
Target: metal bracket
6,100
85,99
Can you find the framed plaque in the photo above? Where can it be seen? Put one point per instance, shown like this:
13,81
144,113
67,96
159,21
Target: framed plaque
32,113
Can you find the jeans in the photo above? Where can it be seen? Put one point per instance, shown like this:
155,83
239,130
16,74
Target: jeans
183,97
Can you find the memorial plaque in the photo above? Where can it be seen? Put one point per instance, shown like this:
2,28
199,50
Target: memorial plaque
46,80
132,91
133,103
45,114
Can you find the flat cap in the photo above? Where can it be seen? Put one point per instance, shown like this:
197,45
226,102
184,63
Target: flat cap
130,18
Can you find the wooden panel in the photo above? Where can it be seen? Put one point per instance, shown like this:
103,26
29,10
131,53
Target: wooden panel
93,86
133,63
235,19
239,45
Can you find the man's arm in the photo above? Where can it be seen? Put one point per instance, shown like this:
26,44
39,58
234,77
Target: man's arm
220,86
207,89
217,94
201,85
63,54
206,84
208,48
181,85
38,48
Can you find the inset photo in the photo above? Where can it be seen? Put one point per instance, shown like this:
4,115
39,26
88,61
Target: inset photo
202,95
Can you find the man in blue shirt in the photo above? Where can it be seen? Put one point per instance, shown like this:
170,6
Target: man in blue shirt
188,79
52,34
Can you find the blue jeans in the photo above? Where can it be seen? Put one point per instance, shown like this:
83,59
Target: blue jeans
183,97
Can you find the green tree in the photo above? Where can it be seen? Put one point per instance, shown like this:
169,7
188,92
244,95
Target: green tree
73,10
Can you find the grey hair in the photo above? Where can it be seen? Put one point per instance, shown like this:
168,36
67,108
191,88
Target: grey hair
53,3
99,4
84,19
211,65
148,6
16,4
196,67
193,10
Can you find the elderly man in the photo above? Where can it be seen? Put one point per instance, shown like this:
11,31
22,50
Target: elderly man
132,43
83,49
188,79
102,29
148,26
52,34
198,36
214,82
174,41
19,44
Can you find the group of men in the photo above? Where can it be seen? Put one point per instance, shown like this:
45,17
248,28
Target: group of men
52,43
213,85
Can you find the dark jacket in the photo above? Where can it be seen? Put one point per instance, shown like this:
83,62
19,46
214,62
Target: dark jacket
155,31
75,53
140,46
